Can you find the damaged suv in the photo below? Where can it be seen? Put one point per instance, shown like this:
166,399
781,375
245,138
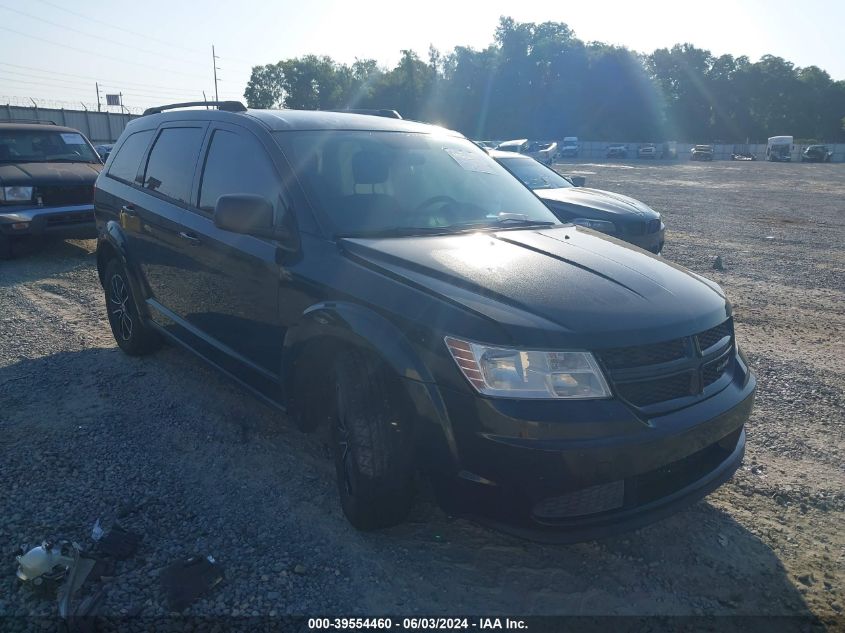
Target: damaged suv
389,282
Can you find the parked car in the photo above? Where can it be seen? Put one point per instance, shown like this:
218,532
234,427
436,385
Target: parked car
816,154
47,175
103,151
542,152
617,151
701,152
571,148
391,281
610,213
517,146
647,151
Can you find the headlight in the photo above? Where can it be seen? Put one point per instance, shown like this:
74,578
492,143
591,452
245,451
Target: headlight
598,225
16,194
511,373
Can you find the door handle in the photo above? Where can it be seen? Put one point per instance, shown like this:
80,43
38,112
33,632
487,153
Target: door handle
193,240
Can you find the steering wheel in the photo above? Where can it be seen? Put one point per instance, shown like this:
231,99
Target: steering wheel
433,200
417,213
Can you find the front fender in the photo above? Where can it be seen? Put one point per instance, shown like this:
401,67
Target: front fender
343,323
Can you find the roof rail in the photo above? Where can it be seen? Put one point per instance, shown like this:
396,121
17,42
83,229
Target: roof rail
390,114
228,106
41,121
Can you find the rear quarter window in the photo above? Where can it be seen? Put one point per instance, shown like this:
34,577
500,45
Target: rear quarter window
126,161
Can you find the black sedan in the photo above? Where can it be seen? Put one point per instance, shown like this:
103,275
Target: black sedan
611,213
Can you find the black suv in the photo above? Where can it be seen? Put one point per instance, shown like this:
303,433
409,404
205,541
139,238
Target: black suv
816,154
47,175
389,282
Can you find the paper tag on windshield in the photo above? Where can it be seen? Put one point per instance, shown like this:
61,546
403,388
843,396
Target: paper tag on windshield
471,161
72,138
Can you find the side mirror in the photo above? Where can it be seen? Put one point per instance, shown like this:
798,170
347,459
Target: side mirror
244,213
578,181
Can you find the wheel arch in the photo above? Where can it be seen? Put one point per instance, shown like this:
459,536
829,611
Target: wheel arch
328,327
112,243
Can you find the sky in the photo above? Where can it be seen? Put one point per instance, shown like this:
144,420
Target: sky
159,51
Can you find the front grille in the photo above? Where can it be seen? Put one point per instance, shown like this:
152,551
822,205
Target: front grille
640,355
645,392
709,338
582,502
57,195
80,217
648,375
643,228
714,370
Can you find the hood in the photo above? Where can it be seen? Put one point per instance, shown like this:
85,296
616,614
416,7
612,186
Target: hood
26,174
574,198
560,286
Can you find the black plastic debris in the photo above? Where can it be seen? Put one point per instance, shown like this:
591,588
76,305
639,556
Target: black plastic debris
118,543
186,580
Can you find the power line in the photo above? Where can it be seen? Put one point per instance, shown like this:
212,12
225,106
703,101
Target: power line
66,85
146,36
100,37
92,53
93,78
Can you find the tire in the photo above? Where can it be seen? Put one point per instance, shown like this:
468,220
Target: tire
129,331
5,247
372,444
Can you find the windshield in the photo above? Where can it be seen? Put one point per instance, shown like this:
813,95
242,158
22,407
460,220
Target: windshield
47,146
397,183
533,174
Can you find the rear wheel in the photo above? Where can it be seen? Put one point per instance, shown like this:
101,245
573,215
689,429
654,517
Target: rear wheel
132,335
372,443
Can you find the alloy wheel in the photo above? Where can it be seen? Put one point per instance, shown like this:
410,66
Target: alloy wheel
119,298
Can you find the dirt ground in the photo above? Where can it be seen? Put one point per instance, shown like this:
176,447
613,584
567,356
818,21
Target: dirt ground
171,449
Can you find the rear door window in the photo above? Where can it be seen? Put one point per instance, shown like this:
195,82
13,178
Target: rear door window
236,163
127,160
170,167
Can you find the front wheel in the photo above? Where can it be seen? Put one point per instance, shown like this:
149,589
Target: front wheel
133,336
372,443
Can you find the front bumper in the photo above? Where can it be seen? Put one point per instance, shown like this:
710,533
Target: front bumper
600,470
62,221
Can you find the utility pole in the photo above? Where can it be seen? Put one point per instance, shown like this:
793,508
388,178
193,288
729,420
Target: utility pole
204,98
97,86
214,59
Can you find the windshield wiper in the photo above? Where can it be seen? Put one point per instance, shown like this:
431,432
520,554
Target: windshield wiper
508,222
399,231
64,160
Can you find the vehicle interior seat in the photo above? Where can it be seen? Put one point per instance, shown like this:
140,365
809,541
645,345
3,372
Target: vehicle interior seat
371,209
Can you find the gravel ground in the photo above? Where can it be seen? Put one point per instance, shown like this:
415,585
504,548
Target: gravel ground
169,448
